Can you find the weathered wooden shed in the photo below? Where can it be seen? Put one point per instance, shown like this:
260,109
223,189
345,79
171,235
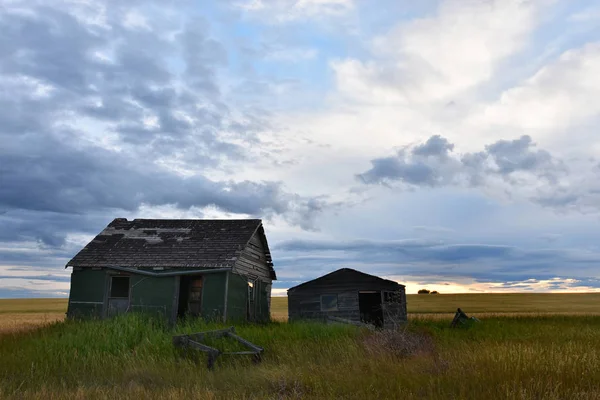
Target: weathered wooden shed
215,269
351,295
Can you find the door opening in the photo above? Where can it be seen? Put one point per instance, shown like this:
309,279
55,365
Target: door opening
369,304
250,303
190,296
118,295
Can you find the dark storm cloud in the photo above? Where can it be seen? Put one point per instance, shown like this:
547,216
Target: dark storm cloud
64,179
421,258
49,277
420,250
56,70
435,146
517,163
395,168
202,55
432,163
518,155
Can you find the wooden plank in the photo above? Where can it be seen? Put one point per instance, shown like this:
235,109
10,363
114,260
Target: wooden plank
200,335
186,341
255,254
244,341
245,266
253,260
250,260
202,347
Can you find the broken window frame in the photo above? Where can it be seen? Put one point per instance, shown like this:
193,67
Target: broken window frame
392,297
327,309
118,295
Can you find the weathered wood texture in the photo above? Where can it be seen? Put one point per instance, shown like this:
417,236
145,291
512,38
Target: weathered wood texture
175,246
194,341
304,301
308,305
252,260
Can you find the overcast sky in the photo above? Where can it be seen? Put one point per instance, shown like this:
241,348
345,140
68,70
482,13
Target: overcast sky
450,144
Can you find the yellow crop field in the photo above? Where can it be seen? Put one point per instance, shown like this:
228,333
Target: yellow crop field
485,304
17,314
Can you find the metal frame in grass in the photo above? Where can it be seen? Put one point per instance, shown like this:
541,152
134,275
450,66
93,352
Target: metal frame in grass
194,341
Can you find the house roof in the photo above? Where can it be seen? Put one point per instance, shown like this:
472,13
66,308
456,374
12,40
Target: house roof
345,275
175,243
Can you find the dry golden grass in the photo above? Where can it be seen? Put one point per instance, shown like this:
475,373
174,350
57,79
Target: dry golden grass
279,308
443,306
506,303
19,315
21,322
548,357
37,306
527,346
25,314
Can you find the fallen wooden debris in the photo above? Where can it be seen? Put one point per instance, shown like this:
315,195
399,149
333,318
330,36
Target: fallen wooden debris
195,340
461,318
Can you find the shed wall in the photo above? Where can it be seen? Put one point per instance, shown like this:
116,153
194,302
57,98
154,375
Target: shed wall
237,297
213,296
261,303
86,295
252,260
153,295
306,303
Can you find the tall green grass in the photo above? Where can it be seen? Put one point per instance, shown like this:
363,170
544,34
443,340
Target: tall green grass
133,356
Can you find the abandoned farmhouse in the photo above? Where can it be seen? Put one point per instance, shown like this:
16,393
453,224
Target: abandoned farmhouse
219,269
351,295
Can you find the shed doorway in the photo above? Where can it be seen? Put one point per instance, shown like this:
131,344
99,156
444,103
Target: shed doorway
251,300
118,295
190,296
371,311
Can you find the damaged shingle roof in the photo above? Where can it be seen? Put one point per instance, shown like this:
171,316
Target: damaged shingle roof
172,243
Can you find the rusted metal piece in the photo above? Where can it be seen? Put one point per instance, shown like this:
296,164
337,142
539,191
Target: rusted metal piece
194,341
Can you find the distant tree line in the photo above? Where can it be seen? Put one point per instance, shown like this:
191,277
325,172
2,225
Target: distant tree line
425,291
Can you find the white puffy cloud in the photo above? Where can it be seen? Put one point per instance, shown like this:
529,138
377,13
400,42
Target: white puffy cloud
556,99
435,58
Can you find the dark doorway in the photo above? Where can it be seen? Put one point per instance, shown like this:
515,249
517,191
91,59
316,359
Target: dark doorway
190,296
118,295
369,304
251,303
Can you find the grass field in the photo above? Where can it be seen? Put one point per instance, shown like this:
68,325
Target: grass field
16,314
510,354
488,304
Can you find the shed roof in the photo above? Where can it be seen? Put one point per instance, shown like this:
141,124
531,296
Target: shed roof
344,275
176,243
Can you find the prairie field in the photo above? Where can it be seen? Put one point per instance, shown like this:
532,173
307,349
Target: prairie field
526,346
485,304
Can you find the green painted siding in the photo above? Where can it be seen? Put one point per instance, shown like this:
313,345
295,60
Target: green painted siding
152,295
237,301
213,296
237,297
86,295
156,295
